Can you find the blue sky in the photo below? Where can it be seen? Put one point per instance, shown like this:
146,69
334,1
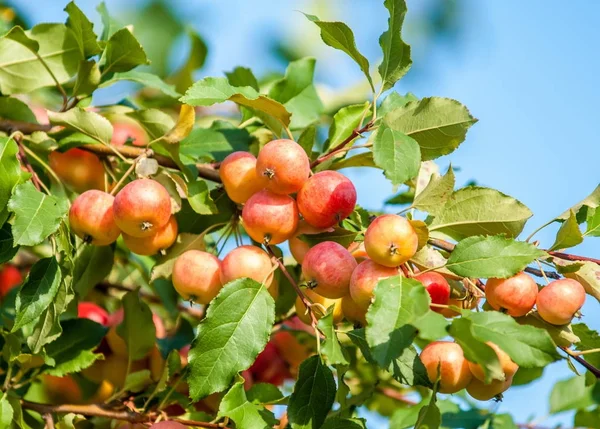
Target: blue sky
527,70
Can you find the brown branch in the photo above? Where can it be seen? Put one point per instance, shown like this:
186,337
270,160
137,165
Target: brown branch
591,368
355,133
570,257
394,394
205,171
94,410
22,156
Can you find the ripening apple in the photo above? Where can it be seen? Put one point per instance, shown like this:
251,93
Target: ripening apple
391,240
358,251
142,208
128,131
559,300
62,389
197,276
509,368
239,176
284,165
114,340
298,248
303,315
77,168
364,279
92,219
269,367
156,363
437,287
446,361
326,199
327,269
104,391
353,312
292,350
484,392
10,277
161,240
270,218
247,261
92,311
467,304
515,295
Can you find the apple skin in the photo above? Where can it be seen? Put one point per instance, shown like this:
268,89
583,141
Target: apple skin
508,366
284,165
298,248
484,392
446,359
516,295
559,300
327,269
78,169
269,367
62,389
270,218
364,279
162,240
125,131
326,199
92,219
197,276
338,315
247,261
10,278
239,176
437,287
391,240
353,312
142,208
358,251
92,311
289,347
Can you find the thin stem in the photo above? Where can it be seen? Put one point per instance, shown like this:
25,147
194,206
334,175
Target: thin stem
355,133
8,377
115,189
538,230
288,132
58,85
247,122
575,258
542,271
591,368
46,167
584,352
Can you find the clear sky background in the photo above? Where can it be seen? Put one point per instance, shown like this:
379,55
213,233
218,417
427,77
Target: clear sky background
527,70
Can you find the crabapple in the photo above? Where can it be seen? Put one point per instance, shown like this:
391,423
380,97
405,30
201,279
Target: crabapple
437,287
446,361
302,314
269,366
327,269
142,207
326,198
239,177
558,301
10,277
460,303
516,295
247,261
197,276
62,389
284,165
358,251
509,368
291,349
391,240
89,310
298,248
114,340
162,239
364,279
270,218
125,131
77,168
104,391
92,218
156,363
353,312
484,392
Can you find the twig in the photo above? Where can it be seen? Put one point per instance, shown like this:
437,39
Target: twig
575,355
570,257
22,156
355,133
394,394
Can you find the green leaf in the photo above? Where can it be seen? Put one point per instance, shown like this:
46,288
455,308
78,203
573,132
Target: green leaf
562,335
568,235
439,125
431,326
593,223
588,274
214,143
393,102
146,79
570,394
307,139
298,94
331,347
92,264
155,122
86,122
345,121
88,78
502,421
6,411
83,30
481,211
73,351
465,419
404,418
264,393
408,369
588,418
22,71
123,52
10,173
429,416
589,339
235,329
527,346
137,381
396,54
45,329
15,110
245,414
340,423
591,201
398,302
38,292
476,350
164,266
339,36
364,159
184,78
526,375
493,256
313,395
137,328
37,215
242,76
109,23
18,35
199,198
435,195
339,235
396,154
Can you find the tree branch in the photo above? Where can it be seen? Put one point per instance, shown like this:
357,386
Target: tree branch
355,133
591,368
570,257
